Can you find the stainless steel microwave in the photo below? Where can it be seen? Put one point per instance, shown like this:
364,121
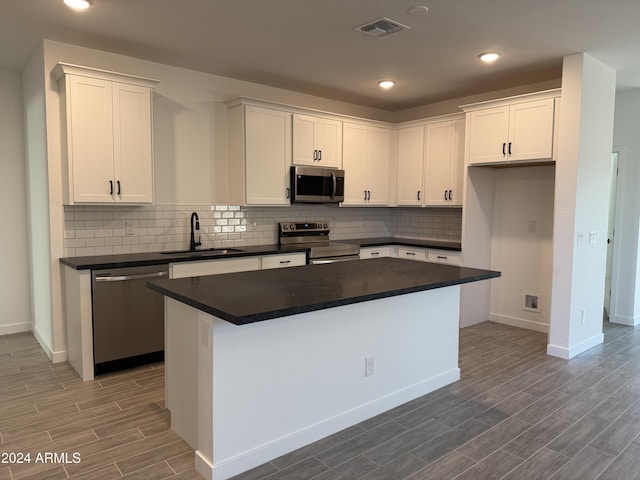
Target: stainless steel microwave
316,185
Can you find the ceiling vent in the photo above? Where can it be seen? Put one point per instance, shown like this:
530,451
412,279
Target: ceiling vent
383,27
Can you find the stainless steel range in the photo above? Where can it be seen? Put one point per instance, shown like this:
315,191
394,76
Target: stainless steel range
315,236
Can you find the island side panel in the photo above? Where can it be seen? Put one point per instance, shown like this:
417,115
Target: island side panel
181,368
284,383
79,318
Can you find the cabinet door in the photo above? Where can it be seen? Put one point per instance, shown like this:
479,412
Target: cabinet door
439,155
378,166
488,135
329,143
132,140
456,171
410,190
267,156
354,161
304,140
531,130
90,139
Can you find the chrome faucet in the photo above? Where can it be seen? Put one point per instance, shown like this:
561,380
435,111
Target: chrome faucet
194,227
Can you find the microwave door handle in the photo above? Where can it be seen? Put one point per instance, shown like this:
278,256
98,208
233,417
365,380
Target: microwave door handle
334,186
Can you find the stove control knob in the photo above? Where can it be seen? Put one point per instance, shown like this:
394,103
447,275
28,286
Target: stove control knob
292,227
326,226
285,227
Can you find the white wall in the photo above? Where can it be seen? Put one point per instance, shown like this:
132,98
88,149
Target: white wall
626,141
583,179
521,251
15,310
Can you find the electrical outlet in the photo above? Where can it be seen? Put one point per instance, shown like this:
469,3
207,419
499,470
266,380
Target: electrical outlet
532,227
593,236
128,227
368,367
580,238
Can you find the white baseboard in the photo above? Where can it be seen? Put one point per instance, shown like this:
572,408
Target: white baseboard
14,328
571,351
519,322
257,456
625,320
54,356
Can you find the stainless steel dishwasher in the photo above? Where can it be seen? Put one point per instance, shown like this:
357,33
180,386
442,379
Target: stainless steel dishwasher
128,318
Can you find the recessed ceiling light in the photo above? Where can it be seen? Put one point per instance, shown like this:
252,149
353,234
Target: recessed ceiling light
386,84
78,4
489,57
417,10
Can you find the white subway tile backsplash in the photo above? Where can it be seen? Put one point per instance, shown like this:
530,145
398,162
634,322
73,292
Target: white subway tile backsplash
100,230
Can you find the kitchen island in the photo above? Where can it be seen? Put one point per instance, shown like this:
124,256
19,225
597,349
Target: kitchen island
261,363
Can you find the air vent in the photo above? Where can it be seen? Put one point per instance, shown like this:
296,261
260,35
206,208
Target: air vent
383,27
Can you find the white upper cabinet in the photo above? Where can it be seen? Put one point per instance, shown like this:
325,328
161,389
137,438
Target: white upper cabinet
430,162
109,140
444,163
366,162
512,130
410,162
260,155
317,141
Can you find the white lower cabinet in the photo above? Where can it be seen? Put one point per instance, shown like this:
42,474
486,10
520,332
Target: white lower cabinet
284,260
444,256
377,252
213,267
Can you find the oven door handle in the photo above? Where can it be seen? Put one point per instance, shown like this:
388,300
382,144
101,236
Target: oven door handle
322,261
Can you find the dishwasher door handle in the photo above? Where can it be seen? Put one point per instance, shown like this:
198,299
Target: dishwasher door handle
124,278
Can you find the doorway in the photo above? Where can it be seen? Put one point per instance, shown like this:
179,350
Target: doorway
611,237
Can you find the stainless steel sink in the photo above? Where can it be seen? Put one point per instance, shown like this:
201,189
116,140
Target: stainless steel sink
209,252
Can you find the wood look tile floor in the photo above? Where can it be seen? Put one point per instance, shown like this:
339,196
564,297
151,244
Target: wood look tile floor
516,414
116,426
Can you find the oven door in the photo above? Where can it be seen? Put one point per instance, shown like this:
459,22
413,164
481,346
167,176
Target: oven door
316,185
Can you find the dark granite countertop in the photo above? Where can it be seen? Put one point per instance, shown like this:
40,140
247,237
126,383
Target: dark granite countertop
255,296
95,262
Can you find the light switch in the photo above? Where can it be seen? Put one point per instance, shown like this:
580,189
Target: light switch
580,239
593,236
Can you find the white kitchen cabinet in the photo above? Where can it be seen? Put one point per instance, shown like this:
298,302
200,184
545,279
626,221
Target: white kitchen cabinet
109,146
213,267
514,132
443,256
260,155
444,163
366,161
284,260
410,164
317,141
412,253
377,252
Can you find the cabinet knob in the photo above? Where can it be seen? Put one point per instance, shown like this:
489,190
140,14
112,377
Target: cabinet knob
315,155
418,195
119,189
504,146
319,155
110,187
509,148
287,193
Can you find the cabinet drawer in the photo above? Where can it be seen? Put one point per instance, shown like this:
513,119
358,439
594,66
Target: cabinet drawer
376,252
443,256
283,261
213,267
411,253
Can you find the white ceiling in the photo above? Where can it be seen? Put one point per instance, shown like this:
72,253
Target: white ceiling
311,46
